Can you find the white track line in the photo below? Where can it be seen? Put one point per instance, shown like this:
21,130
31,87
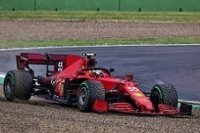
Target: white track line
188,101
2,75
101,46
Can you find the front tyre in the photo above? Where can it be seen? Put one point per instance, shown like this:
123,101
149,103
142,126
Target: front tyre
164,94
88,92
17,84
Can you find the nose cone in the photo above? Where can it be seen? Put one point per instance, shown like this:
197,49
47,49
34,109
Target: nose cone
141,100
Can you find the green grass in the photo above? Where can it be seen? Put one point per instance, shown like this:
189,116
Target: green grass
191,17
164,17
150,41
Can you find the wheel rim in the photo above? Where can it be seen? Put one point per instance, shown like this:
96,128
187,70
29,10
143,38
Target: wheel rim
83,96
8,87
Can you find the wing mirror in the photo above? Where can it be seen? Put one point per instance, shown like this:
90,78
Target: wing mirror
111,70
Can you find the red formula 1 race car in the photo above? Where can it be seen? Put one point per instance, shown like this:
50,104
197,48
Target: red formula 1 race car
75,80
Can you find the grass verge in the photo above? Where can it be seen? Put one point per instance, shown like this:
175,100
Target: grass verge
78,42
179,17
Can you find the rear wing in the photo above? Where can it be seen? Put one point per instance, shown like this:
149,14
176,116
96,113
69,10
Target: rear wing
25,59
60,62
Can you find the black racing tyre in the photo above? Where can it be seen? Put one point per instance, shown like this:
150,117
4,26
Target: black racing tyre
164,94
88,92
17,84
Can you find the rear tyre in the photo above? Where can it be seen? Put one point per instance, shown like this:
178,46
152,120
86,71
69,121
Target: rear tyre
88,92
164,94
17,84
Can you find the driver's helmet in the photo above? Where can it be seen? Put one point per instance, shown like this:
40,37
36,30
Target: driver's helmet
91,62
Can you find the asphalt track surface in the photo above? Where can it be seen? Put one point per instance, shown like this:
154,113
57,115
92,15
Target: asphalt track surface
177,65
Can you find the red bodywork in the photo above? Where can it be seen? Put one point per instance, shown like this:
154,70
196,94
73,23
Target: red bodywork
76,69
